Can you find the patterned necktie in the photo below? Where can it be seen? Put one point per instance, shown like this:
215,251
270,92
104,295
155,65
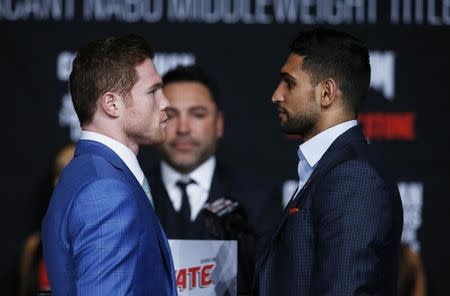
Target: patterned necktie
146,187
185,210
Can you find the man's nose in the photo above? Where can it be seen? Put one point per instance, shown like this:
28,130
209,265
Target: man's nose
278,94
164,103
183,126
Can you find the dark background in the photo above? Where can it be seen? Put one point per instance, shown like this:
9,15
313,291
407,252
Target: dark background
244,60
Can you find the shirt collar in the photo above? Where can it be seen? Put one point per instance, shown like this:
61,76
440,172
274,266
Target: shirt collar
128,157
315,148
202,175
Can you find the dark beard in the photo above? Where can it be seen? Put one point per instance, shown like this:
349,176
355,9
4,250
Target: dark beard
301,125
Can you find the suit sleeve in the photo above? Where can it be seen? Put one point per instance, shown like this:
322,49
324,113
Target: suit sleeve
353,216
104,229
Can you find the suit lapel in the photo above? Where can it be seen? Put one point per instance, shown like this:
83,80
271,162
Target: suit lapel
163,205
296,201
219,188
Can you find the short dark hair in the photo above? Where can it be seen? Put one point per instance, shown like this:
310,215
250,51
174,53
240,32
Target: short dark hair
105,65
332,54
193,73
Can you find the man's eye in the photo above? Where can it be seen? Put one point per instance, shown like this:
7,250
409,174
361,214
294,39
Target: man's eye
199,114
152,93
290,84
170,114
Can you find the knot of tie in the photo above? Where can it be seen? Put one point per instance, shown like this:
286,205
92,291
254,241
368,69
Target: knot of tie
185,210
182,184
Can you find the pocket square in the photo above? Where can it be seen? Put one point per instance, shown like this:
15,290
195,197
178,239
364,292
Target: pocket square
293,211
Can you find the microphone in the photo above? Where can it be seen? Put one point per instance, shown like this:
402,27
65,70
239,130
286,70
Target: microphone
225,219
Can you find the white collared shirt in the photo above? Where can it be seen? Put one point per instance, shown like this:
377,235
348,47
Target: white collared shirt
128,156
197,192
311,151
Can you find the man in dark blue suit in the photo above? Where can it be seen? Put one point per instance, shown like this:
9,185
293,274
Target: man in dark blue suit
340,232
100,233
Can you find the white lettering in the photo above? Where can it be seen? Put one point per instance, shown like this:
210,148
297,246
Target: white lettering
130,11
231,11
34,9
412,200
64,65
212,11
383,73
68,117
305,12
446,12
167,61
395,11
260,12
285,11
419,11
413,12
432,18
180,10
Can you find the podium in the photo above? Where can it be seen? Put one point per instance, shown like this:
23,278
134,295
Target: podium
205,267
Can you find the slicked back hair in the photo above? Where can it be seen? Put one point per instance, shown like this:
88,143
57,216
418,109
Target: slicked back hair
338,55
105,65
193,73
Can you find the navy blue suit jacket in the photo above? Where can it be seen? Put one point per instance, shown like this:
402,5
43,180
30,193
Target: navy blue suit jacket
100,234
345,237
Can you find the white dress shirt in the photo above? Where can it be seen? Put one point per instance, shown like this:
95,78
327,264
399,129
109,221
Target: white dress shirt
197,192
128,156
311,151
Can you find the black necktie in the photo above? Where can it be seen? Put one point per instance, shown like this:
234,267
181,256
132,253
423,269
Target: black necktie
185,210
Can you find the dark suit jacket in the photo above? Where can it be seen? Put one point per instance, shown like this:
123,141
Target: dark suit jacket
262,208
100,234
345,238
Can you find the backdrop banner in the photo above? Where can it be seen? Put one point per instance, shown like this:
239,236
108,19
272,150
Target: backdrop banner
242,45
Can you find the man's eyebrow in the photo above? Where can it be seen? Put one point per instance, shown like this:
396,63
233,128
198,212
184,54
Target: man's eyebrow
155,86
285,75
197,108
172,110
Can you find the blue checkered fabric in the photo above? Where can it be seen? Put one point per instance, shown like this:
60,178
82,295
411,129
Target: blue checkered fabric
345,237
100,234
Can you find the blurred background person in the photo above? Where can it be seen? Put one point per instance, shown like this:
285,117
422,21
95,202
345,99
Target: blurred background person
33,275
190,176
411,273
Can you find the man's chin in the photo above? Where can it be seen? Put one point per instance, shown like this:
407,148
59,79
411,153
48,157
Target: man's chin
154,139
182,165
287,129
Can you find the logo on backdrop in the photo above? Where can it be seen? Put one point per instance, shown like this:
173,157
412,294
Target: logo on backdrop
67,116
382,75
387,126
412,200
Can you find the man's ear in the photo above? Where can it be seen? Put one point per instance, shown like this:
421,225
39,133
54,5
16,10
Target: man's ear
328,91
219,124
110,103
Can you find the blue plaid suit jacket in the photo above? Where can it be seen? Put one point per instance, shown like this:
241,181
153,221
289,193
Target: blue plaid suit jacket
345,237
100,234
